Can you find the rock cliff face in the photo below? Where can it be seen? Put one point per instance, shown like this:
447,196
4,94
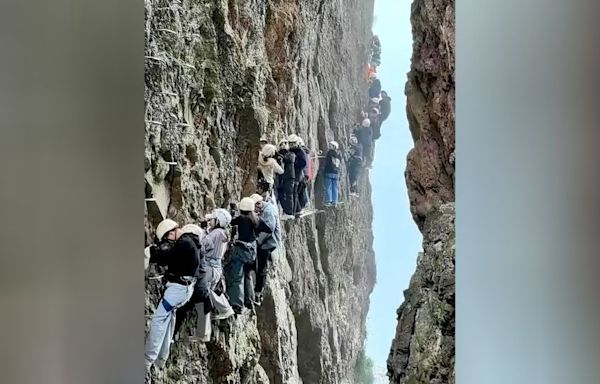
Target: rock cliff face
219,74
423,349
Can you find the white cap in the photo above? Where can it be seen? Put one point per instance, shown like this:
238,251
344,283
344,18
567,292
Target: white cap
247,204
193,228
268,150
257,198
293,138
263,138
366,123
222,216
334,144
165,226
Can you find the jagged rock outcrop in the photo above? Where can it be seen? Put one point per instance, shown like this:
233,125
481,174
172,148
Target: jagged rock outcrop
219,74
422,351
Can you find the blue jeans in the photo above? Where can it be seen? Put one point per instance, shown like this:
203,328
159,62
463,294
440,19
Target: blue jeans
331,187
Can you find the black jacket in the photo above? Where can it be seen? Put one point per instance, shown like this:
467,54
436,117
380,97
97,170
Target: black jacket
181,258
329,161
385,107
289,158
375,88
300,163
247,231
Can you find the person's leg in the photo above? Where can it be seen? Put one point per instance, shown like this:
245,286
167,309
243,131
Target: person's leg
249,272
234,275
162,324
334,188
181,315
262,258
328,196
203,326
288,203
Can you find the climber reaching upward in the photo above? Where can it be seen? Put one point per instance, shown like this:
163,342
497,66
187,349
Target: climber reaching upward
333,162
244,252
385,105
179,252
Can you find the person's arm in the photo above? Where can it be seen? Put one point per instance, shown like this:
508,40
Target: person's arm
276,167
161,253
263,227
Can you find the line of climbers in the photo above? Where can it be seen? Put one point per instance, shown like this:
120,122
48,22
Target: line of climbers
244,240
195,277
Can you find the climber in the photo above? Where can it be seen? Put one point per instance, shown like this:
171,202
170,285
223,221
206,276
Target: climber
304,197
374,88
285,193
299,165
365,137
385,106
375,122
180,253
309,172
333,161
244,252
267,242
268,165
355,165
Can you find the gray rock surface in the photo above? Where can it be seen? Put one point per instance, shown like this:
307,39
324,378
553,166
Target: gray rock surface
219,74
422,351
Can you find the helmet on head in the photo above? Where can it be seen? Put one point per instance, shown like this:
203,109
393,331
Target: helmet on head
165,226
257,198
222,216
193,228
293,139
353,140
334,144
264,138
268,150
366,123
247,204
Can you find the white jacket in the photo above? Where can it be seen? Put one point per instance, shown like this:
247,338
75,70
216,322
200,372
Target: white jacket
269,168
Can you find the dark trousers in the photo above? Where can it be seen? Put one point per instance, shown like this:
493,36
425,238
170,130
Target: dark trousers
287,196
354,173
299,196
263,258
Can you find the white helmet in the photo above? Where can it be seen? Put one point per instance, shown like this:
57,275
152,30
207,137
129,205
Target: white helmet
247,204
165,226
268,150
366,123
257,198
353,140
334,144
293,138
222,216
264,138
193,228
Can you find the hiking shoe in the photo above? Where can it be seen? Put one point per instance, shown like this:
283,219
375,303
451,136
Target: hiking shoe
223,315
237,309
258,299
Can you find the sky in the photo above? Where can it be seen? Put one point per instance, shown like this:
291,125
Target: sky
397,239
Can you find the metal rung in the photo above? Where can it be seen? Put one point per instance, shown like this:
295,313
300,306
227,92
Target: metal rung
151,199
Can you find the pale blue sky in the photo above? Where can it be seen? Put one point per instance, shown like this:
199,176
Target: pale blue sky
397,239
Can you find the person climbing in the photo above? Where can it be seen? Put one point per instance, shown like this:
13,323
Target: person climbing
365,137
355,165
267,242
180,254
244,252
375,122
385,106
374,88
333,162
268,165
304,197
299,165
309,173
286,181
